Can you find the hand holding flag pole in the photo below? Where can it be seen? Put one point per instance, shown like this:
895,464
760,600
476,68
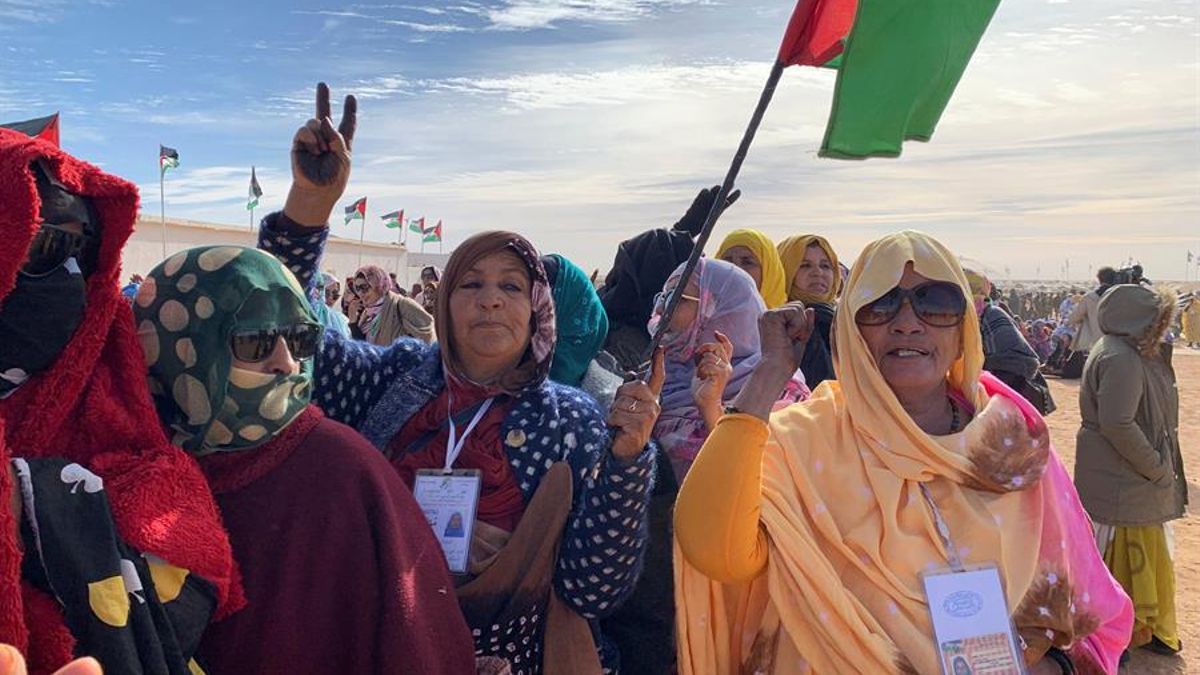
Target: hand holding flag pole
898,63
719,204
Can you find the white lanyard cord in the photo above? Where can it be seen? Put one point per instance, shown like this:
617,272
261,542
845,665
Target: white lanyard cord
944,532
454,444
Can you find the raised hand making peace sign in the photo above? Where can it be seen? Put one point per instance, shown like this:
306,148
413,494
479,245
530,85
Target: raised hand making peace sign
321,162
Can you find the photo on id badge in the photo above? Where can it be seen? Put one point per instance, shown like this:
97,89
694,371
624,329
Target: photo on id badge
449,502
971,624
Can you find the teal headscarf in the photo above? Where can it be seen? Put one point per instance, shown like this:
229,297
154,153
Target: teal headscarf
330,318
186,311
582,323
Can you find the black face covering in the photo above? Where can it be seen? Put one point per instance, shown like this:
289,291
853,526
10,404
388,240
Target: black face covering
37,320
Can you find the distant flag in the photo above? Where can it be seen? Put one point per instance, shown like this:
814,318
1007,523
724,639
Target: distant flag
255,191
1190,257
393,220
899,62
357,211
45,128
168,158
417,225
433,234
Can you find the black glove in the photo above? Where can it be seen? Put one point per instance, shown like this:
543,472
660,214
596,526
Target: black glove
697,213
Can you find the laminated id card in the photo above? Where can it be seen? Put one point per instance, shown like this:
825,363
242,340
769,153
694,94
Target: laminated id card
971,624
449,500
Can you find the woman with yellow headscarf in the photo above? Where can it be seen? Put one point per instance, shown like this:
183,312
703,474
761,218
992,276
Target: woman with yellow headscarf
803,539
810,267
752,251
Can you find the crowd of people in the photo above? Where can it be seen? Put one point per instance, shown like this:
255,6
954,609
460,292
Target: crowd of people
239,463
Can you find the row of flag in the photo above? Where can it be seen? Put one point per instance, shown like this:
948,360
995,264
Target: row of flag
168,158
395,220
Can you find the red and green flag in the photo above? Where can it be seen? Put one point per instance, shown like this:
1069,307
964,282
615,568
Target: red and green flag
393,220
168,158
898,63
433,234
357,211
255,191
417,225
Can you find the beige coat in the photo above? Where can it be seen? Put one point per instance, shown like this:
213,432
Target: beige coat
1128,466
1086,320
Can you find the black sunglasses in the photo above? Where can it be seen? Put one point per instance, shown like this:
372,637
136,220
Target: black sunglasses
51,247
361,288
938,303
302,341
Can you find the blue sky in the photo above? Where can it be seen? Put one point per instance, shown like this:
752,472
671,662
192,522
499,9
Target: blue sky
1075,133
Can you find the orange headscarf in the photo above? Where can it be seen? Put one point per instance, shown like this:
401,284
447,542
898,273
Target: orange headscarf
791,252
849,534
772,289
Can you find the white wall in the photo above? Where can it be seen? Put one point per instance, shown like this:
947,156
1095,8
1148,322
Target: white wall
342,257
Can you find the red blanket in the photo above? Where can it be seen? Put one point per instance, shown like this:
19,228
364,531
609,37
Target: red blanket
93,406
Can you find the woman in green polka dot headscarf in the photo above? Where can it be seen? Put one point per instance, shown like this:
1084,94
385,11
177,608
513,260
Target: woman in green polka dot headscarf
211,322
229,339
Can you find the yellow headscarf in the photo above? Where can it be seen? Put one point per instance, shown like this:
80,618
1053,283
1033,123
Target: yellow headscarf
791,252
847,529
772,289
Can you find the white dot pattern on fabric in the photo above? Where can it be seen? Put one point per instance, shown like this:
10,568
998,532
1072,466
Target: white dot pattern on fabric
148,338
172,265
186,283
216,258
192,398
186,352
173,316
147,292
204,307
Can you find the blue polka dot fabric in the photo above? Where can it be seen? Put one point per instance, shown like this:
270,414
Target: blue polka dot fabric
377,389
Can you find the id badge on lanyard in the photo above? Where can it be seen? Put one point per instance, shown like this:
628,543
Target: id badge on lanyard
449,498
972,627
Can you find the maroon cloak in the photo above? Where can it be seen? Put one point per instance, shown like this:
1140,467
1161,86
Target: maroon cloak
341,571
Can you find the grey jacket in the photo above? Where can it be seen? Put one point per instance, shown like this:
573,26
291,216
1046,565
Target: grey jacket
1128,467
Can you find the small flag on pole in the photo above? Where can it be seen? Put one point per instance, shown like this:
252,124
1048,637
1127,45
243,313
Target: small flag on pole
255,191
417,225
357,211
168,158
433,234
393,220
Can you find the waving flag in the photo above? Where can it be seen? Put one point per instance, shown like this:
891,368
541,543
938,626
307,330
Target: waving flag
168,158
433,234
255,191
393,220
817,32
357,211
899,62
417,225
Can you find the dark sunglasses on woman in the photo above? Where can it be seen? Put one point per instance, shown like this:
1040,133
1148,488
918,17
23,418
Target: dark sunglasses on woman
253,346
937,303
361,288
51,247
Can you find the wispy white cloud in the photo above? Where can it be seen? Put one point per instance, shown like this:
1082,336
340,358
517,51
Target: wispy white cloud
532,14
644,82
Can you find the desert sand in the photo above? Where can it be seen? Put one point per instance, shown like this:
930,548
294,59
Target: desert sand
1063,424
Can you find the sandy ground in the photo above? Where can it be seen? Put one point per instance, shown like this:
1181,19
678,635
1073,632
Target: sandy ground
1063,425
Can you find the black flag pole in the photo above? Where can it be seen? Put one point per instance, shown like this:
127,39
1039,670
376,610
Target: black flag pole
714,213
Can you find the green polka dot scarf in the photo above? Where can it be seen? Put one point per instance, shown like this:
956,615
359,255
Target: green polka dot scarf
186,312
